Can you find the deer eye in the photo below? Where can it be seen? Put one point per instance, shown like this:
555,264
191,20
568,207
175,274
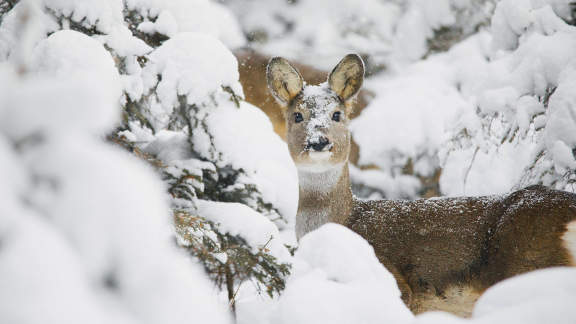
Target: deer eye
298,117
336,116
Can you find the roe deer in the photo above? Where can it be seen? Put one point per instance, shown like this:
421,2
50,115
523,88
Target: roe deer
443,252
252,69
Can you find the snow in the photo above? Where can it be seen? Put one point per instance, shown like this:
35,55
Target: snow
477,110
17,41
417,25
119,243
397,120
124,44
325,29
412,113
70,55
257,150
241,137
474,173
92,218
554,284
495,112
397,187
201,71
101,14
187,70
511,111
320,101
239,219
179,16
543,296
63,57
47,294
338,279
165,24
560,132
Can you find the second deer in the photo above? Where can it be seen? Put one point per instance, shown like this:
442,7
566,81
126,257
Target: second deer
443,252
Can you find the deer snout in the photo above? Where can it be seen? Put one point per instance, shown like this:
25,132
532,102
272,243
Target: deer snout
319,145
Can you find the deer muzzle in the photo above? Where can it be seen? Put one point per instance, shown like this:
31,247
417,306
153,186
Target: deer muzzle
320,145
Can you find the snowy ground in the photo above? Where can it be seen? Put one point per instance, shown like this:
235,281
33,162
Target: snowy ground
86,229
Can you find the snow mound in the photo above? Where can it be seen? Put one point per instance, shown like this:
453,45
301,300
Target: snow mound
63,57
192,65
542,296
547,286
338,279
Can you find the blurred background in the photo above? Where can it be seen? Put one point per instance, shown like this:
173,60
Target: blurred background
437,116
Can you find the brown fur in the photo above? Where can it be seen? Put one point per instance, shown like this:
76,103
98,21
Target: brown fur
444,252
471,242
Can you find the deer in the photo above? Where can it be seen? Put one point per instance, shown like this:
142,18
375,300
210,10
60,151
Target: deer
252,70
443,252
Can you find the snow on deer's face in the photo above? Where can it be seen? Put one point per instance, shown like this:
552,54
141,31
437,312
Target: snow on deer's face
317,116
317,128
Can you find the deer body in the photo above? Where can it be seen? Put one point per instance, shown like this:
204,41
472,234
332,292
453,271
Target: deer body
443,252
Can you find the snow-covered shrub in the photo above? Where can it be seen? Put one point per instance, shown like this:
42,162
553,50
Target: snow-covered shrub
84,227
403,128
182,111
216,147
184,108
492,114
523,129
235,245
323,31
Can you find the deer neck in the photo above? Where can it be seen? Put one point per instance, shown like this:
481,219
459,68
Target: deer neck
325,196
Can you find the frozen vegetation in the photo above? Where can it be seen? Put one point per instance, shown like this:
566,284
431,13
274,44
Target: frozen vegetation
137,186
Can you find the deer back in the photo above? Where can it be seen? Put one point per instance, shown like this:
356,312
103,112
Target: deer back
438,246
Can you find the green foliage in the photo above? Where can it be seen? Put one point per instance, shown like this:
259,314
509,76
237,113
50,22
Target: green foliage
228,259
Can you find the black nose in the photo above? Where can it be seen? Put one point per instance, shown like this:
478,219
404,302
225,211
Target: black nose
320,145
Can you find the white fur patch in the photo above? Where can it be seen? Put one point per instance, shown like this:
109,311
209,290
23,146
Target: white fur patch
318,167
320,156
319,177
569,239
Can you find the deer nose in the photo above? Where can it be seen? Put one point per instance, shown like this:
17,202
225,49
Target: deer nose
320,144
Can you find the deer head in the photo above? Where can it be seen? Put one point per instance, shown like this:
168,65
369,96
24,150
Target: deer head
317,116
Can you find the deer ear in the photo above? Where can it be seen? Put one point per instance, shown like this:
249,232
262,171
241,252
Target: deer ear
284,81
347,77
